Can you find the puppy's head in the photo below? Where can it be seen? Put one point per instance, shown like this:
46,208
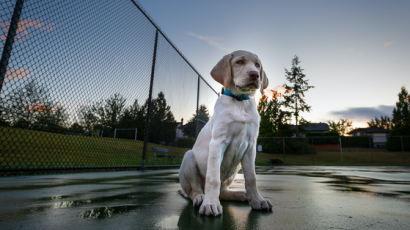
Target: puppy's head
241,72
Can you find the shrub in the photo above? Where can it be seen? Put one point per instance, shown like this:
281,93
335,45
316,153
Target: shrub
187,142
271,145
324,140
326,134
298,147
292,145
396,143
357,142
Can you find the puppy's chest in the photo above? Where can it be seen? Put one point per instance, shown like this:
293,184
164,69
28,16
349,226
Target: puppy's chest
239,145
242,136
243,125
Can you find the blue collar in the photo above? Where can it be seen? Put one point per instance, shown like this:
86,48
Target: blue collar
240,97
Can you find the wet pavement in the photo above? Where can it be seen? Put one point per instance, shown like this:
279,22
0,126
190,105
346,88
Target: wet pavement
303,198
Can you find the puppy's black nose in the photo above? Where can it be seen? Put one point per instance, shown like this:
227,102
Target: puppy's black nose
253,75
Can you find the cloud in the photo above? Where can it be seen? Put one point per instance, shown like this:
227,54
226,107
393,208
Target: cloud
278,92
17,74
361,113
389,43
23,26
212,41
42,108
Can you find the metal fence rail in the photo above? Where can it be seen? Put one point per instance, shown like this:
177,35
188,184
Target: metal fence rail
72,73
356,146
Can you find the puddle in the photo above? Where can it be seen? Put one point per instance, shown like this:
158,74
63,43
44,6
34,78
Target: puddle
107,212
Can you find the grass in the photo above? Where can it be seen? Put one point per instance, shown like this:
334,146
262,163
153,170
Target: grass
21,148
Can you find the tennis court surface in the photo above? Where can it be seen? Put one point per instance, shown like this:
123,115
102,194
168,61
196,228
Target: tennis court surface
303,198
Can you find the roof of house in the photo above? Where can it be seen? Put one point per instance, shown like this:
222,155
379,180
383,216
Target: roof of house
314,127
369,130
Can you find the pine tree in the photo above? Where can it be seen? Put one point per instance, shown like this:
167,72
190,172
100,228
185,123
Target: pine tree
401,114
162,122
383,122
274,119
342,127
297,88
191,126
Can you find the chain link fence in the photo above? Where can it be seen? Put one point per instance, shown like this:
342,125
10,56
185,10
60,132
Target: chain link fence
335,150
94,84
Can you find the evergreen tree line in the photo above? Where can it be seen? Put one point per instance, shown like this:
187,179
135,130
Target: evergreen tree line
32,107
106,115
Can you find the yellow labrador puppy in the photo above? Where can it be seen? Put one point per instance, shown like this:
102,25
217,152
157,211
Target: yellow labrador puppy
227,140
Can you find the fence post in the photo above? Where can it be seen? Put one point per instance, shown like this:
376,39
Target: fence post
147,120
197,107
8,45
371,149
401,143
135,134
341,149
283,144
370,142
115,133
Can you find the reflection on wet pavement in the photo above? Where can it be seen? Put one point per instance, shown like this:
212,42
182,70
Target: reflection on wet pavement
303,197
358,181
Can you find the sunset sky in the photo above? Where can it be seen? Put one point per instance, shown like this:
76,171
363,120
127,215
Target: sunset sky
355,53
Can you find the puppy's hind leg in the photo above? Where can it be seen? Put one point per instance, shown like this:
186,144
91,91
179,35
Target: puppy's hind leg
229,195
190,179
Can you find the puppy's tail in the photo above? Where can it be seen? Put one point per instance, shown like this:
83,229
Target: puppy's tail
183,194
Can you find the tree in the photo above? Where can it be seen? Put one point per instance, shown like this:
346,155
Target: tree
342,127
103,115
401,114
111,113
162,122
88,118
383,122
31,107
297,87
76,128
274,119
133,117
3,112
200,120
110,110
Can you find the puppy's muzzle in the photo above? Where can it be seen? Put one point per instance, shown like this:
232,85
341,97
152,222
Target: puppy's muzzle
253,79
253,75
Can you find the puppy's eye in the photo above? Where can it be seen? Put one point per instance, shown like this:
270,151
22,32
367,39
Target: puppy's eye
257,65
240,62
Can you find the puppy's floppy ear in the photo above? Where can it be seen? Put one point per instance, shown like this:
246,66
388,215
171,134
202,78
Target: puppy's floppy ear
264,81
222,72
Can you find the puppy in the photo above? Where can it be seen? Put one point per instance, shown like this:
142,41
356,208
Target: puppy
227,140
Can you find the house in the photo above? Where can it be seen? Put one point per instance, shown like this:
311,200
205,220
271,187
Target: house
379,135
312,128
180,130
316,127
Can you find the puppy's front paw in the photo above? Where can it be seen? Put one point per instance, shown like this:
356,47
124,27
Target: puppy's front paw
198,200
210,207
261,204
